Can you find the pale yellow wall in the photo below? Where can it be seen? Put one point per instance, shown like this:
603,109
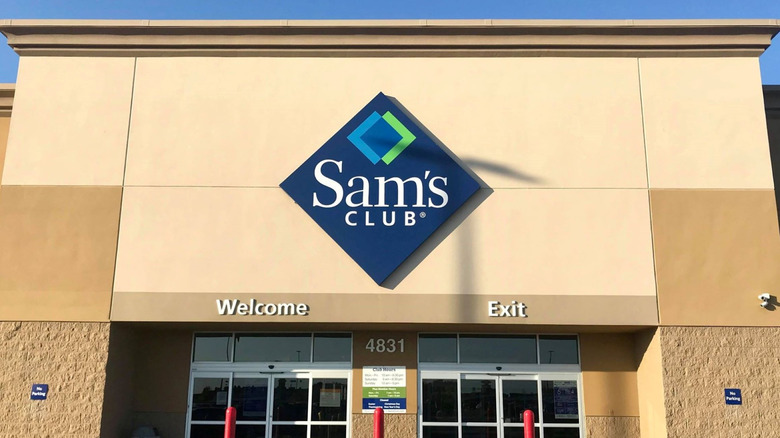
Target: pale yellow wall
580,243
650,384
705,124
69,124
233,240
518,122
5,123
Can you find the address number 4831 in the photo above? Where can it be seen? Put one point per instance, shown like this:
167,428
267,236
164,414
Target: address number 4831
385,345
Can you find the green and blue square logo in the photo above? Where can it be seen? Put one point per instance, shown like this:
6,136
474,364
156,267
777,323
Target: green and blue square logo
380,187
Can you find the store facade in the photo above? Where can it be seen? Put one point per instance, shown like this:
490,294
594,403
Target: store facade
455,221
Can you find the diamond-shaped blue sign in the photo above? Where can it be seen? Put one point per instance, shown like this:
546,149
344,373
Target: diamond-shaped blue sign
380,187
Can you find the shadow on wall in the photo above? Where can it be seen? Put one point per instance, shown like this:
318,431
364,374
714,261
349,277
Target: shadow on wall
772,106
466,262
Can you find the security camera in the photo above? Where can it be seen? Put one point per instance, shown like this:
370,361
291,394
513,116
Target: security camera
271,366
764,299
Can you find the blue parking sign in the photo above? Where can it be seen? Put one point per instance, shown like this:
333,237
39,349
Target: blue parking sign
39,391
733,396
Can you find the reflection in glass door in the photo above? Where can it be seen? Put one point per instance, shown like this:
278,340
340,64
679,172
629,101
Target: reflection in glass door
281,405
471,405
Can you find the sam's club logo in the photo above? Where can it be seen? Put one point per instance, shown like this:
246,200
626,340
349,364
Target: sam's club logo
380,187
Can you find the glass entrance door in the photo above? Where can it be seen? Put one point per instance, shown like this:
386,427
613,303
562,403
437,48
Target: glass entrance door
491,405
270,405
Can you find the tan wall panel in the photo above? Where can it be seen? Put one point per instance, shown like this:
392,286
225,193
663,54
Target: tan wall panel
715,252
518,122
705,124
153,348
5,123
650,384
362,357
391,307
59,245
238,240
69,125
609,375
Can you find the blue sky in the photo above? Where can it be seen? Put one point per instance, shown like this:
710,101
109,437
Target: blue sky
397,9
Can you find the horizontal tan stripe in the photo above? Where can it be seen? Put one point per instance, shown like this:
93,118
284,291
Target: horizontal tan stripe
391,308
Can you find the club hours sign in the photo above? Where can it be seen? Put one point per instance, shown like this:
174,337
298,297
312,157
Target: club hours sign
384,387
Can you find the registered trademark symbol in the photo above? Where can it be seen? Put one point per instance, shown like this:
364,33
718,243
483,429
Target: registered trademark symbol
422,214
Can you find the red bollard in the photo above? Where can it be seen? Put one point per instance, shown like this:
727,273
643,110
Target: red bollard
379,423
528,424
230,422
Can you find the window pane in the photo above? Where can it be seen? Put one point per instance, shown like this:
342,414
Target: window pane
479,432
333,347
560,432
517,432
558,349
519,395
498,349
440,400
209,398
288,431
291,399
212,348
207,431
329,400
250,398
440,432
288,347
246,431
478,400
560,402
438,348
328,431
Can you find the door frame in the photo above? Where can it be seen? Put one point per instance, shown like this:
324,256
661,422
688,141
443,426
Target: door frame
312,371
498,372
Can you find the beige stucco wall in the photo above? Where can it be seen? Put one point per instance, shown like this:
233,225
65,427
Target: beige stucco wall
251,121
70,120
69,357
224,240
219,134
704,123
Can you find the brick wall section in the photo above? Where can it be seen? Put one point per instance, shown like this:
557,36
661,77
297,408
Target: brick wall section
700,362
71,359
396,425
612,427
